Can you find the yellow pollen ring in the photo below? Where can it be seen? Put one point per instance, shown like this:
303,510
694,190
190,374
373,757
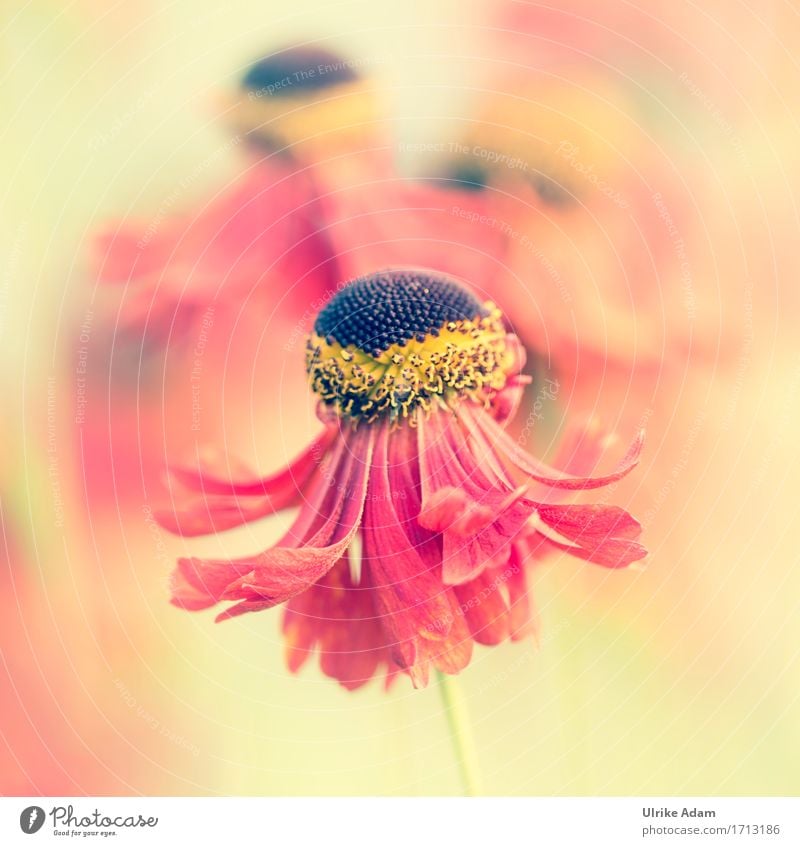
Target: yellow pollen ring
467,358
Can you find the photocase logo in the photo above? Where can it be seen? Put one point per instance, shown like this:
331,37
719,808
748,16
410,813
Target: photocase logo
65,821
31,819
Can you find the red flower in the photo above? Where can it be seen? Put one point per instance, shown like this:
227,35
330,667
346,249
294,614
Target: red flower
320,201
263,236
264,226
415,378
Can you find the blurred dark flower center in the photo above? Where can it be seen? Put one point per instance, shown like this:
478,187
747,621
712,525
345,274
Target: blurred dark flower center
298,70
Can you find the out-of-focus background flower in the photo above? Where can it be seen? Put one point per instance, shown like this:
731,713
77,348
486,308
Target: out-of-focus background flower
619,177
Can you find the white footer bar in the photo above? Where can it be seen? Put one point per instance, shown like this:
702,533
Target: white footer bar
401,821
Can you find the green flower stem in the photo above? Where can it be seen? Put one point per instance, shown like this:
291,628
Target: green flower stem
461,733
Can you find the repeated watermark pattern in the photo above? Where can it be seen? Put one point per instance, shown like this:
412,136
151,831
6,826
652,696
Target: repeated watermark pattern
667,488
171,201
119,124
82,366
571,153
679,245
152,721
196,373
717,116
53,471
521,238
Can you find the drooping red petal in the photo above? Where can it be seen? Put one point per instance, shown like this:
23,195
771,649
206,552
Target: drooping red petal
449,654
582,446
478,420
443,507
465,558
478,519
449,648
452,654
602,534
338,617
324,528
317,539
201,584
523,618
484,607
205,480
225,503
401,558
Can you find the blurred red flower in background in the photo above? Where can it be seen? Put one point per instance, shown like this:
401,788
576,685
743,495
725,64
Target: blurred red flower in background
239,278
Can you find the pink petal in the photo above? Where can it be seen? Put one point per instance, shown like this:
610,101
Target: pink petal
402,560
201,584
602,534
319,536
479,421
478,519
442,508
506,402
465,557
226,503
484,608
452,654
339,617
205,480
522,611
582,447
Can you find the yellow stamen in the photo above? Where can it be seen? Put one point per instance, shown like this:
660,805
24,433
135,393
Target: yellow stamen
466,357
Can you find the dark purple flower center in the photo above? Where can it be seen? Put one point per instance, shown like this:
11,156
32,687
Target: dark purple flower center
395,307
